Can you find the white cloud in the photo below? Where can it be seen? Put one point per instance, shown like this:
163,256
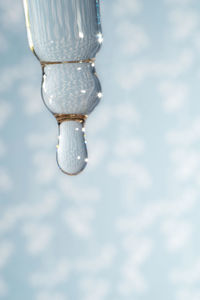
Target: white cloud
135,73
31,95
179,2
39,237
3,42
46,166
79,194
99,151
93,288
6,250
6,183
137,252
165,208
43,139
79,220
55,275
185,137
129,147
123,8
187,275
177,232
2,148
102,261
22,212
5,112
188,293
133,37
133,281
126,112
12,18
187,163
49,295
99,119
184,23
135,171
10,75
3,288
174,94
185,156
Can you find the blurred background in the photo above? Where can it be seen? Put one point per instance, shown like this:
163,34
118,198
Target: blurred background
128,226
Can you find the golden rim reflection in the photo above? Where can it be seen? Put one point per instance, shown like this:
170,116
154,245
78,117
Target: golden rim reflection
70,117
46,63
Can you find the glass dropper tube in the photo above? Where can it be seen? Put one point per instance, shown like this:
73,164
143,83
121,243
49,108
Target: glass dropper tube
65,36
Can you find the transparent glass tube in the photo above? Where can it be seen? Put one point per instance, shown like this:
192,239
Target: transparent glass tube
65,36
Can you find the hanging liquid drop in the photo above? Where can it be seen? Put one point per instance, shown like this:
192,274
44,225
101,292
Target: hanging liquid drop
65,36
71,150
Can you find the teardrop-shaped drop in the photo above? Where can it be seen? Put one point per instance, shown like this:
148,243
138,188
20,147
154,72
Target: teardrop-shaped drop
71,150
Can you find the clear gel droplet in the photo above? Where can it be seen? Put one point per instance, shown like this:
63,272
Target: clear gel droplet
71,150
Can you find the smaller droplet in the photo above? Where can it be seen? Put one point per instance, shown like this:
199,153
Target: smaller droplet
71,150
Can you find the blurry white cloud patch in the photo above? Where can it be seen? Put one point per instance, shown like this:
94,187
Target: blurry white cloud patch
99,150
174,94
6,182
133,36
101,261
184,23
5,112
132,279
93,288
3,43
22,212
46,166
187,275
135,171
188,293
6,251
42,140
2,148
133,74
186,136
126,112
3,288
99,120
79,220
11,18
132,147
31,95
178,234
39,236
53,276
49,295
180,2
186,280
187,163
126,7
184,154
82,194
